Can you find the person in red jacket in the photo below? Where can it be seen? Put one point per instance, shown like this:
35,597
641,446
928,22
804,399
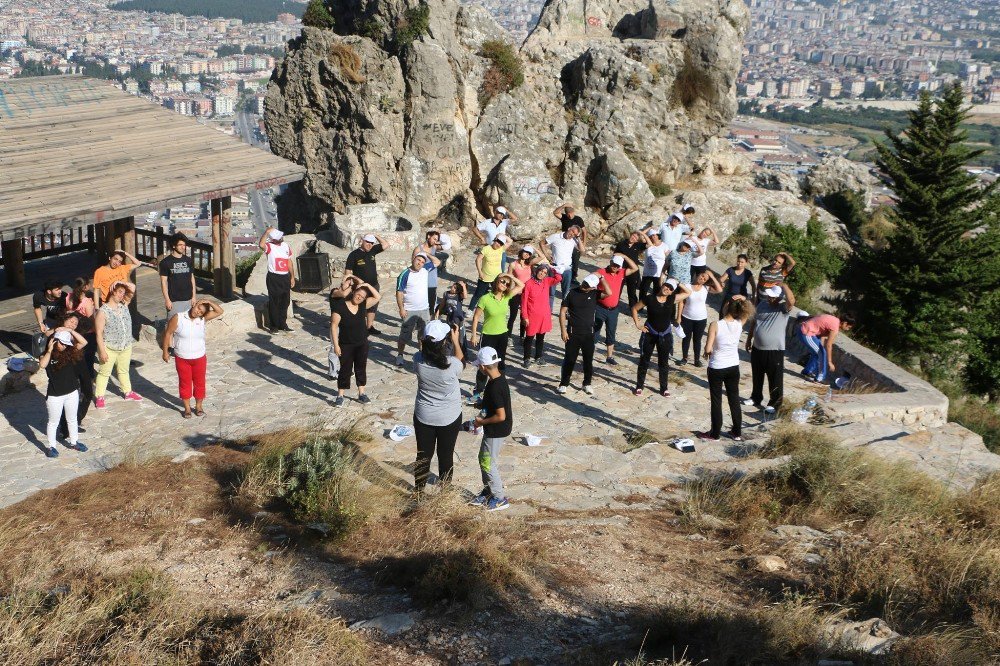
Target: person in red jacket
536,310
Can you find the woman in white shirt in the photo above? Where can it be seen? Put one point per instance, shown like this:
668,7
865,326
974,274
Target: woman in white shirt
722,352
186,334
694,316
706,238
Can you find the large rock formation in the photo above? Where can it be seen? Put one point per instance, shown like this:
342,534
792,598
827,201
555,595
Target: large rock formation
616,94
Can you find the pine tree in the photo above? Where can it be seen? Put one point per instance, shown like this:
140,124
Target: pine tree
916,294
317,15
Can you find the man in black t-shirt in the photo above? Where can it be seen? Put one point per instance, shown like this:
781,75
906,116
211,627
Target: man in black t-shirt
48,305
566,214
576,321
361,262
632,247
177,277
497,422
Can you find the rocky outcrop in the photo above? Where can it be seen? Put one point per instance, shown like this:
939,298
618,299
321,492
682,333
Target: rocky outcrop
835,175
616,94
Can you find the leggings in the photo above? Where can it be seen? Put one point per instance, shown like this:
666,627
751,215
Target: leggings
693,328
56,405
730,378
539,340
515,305
429,438
191,377
353,358
632,283
119,360
648,284
498,342
661,344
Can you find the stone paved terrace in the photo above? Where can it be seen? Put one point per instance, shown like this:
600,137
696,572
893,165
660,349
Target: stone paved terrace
259,382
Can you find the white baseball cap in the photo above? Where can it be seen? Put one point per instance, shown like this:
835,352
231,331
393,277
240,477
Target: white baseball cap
276,235
672,282
445,241
653,232
502,238
501,210
63,337
618,260
426,256
487,356
592,281
773,291
528,249
687,208
436,330
370,238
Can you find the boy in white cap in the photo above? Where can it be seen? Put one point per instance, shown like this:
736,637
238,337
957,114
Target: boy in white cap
576,321
280,278
411,297
766,344
361,262
498,223
496,420
607,308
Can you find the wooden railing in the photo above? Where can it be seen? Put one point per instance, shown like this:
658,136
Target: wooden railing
152,244
66,240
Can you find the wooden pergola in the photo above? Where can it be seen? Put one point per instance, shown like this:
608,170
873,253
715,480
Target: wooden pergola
80,153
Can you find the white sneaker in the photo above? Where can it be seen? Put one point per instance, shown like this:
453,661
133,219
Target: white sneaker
561,390
747,402
769,410
399,360
588,390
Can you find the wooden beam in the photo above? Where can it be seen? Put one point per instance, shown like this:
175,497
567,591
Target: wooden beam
13,263
223,261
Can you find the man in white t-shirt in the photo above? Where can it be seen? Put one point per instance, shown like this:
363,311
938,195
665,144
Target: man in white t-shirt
412,299
652,266
558,250
280,278
673,231
487,230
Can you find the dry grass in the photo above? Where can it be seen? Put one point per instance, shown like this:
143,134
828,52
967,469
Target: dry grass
348,61
692,85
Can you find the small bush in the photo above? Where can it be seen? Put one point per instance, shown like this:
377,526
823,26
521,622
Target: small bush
633,82
816,260
659,188
745,239
372,28
981,418
505,71
317,15
847,206
416,22
244,267
348,62
692,85
321,484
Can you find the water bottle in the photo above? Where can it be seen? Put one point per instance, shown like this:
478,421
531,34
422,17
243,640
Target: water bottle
811,403
829,394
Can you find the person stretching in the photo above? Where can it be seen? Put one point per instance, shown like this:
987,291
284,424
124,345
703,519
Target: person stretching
349,334
576,321
280,278
186,334
489,264
61,362
497,422
113,324
723,354
411,299
493,310
818,334
614,275
766,344
536,311
694,317
661,310
521,268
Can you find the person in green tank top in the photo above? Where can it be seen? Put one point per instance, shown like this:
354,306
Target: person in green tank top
493,310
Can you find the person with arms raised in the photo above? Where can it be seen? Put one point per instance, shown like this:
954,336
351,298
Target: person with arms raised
558,250
766,344
349,334
280,278
489,264
656,335
186,335
536,311
177,277
614,275
566,214
411,299
723,354
61,362
576,321
361,263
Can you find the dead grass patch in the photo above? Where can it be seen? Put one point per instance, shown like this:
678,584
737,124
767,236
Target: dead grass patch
348,62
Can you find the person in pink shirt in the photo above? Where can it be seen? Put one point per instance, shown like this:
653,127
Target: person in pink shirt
617,270
521,269
818,334
536,310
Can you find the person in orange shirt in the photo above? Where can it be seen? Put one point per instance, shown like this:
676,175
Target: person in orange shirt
118,269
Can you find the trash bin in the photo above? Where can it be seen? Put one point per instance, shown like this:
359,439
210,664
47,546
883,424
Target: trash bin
313,271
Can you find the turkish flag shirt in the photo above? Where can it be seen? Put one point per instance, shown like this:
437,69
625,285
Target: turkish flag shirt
279,258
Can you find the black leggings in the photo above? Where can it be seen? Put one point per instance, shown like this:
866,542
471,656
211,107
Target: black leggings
515,306
539,340
498,342
429,439
648,284
693,328
353,358
649,342
730,378
632,283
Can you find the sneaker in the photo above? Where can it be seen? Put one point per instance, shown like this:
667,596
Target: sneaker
637,391
79,446
588,390
399,360
665,393
52,452
561,390
99,403
735,438
698,363
540,363
611,360
526,363
683,361
132,396
338,401
769,410
747,402
481,499
473,399
495,504
364,399
706,436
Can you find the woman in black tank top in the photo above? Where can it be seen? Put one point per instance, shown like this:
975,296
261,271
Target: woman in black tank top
661,314
349,334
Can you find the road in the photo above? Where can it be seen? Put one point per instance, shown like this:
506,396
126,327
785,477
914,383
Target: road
261,203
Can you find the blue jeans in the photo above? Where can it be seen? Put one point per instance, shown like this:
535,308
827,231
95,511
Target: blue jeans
817,363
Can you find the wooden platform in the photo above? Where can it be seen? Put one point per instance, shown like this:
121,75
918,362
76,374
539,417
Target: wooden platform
77,151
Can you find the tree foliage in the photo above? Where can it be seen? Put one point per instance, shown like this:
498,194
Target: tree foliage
816,260
982,370
919,291
415,23
317,15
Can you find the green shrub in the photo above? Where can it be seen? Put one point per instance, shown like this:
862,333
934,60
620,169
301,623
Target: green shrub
848,207
982,370
745,240
244,267
505,71
415,23
816,261
372,28
317,15
320,484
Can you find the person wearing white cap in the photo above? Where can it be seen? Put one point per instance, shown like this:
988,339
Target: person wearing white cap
661,316
614,275
632,247
674,230
558,250
498,223
361,263
566,214
496,420
521,269
652,266
678,264
411,298
576,321
437,411
61,362
280,278
489,264
722,352
431,246
766,344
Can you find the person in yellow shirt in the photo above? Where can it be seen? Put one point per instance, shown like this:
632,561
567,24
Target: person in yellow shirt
489,265
118,269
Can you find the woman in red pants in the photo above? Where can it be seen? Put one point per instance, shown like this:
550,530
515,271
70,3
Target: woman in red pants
186,334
